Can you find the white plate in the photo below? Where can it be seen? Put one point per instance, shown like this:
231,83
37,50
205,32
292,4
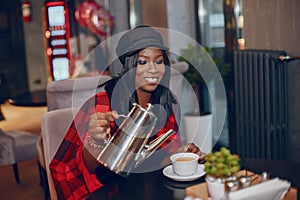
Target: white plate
168,172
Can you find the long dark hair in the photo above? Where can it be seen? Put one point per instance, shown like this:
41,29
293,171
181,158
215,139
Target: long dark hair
122,92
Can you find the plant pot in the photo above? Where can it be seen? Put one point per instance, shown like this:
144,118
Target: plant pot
198,130
216,188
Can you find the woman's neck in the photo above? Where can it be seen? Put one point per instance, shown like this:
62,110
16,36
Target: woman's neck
143,98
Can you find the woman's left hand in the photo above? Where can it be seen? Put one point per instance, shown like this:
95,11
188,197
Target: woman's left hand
191,147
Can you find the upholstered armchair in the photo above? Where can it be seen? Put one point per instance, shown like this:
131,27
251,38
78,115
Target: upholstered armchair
70,93
177,70
16,146
176,82
55,124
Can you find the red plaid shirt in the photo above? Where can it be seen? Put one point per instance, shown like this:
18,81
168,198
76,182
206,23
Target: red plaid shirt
71,178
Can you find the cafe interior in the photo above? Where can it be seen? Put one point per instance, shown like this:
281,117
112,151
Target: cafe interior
54,54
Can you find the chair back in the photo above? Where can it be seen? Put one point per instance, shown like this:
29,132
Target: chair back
54,127
176,82
64,99
73,92
177,71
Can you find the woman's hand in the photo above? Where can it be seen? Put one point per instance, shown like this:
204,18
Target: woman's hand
191,147
99,129
99,125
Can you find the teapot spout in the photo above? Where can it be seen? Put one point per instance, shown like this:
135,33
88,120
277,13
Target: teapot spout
155,143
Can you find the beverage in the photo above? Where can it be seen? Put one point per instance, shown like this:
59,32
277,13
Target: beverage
185,159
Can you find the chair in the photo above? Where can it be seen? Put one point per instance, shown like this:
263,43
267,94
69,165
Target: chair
70,93
17,146
177,70
176,82
54,122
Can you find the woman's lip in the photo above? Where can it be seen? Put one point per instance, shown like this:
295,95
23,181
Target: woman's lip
151,79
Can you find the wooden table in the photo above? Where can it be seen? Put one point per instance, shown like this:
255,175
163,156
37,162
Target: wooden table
1,114
35,98
154,185
201,190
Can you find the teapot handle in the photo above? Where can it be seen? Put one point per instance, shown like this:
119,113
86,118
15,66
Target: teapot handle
122,115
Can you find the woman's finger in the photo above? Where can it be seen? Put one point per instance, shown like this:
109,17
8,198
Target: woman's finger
99,124
202,157
191,147
194,149
110,116
103,122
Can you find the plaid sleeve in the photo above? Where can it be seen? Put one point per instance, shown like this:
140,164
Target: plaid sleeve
70,176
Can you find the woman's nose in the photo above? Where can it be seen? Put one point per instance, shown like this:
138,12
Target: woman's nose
152,68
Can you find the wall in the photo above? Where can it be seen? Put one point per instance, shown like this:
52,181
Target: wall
181,17
34,34
294,107
154,13
273,24
34,48
36,61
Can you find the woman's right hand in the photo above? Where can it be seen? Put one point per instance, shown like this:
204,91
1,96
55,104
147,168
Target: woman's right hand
99,125
99,129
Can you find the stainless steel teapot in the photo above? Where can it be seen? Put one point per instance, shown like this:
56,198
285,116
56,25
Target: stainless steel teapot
128,147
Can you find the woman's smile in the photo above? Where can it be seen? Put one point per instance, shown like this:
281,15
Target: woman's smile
151,79
150,69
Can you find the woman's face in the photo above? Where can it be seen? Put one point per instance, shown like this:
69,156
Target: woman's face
150,69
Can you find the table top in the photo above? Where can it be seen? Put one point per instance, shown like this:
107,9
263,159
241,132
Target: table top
201,191
34,98
154,185
150,185
277,168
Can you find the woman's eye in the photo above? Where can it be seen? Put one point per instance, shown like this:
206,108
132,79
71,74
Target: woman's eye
142,62
159,62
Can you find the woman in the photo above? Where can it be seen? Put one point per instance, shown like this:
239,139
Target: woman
143,79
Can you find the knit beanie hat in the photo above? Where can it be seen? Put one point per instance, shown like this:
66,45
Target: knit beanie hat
141,37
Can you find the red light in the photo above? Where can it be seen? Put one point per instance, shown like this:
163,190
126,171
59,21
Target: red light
49,51
47,34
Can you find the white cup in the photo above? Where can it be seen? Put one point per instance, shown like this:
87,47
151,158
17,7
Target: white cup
184,164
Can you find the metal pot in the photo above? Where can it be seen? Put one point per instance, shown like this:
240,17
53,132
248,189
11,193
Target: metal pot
129,146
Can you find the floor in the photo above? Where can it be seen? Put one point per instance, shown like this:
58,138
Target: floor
27,119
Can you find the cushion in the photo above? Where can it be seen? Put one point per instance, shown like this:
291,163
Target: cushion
17,146
72,92
6,149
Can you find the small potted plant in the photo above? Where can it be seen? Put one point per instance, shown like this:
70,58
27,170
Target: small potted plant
198,122
220,166
198,57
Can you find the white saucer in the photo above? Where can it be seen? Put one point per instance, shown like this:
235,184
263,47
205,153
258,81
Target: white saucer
168,172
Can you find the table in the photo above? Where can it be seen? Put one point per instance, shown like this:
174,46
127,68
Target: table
277,168
1,114
140,186
200,190
34,98
154,185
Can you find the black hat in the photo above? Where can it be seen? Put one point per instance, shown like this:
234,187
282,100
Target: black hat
139,38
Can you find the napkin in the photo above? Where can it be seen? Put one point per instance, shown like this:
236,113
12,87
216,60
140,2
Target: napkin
273,189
